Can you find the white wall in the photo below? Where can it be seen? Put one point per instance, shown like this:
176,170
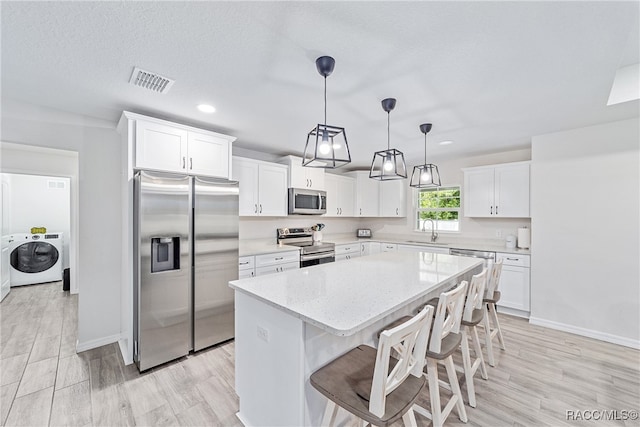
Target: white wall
585,208
470,228
98,146
34,203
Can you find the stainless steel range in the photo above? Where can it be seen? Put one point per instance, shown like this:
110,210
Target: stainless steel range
311,253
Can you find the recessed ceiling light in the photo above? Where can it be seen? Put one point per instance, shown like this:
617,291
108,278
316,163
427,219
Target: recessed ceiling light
446,142
206,108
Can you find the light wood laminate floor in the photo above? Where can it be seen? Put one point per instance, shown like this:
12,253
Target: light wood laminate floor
542,375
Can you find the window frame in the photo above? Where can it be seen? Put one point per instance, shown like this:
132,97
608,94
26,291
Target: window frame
417,209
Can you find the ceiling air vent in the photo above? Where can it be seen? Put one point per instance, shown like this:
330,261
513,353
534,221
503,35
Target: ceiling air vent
151,81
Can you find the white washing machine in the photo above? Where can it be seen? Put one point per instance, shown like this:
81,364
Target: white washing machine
35,258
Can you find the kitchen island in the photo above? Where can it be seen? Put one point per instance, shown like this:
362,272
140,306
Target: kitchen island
292,323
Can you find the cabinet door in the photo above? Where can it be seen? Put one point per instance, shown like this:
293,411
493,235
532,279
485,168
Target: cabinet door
246,274
316,178
375,248
393,198
272,190
347,196
514,287
160,147
246,173
334,195
208,155
512,191
478,193
298,178
367,196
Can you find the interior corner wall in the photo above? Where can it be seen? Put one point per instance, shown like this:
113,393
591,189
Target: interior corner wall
585,189
98,146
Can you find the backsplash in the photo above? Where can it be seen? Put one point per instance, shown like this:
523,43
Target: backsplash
265,228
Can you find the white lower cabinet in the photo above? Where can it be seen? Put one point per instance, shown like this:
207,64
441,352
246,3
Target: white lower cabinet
369,248
423,248
278,268
277,262
349,251
388,247
246,267
514,284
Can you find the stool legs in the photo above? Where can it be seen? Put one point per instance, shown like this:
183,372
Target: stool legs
470,368
491,333
455,388
494,314
329,417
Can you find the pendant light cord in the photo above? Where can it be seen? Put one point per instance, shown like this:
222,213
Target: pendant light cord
325,103
425,148
388,132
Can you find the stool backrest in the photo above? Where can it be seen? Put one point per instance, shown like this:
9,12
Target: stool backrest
494,277
448,315
409,340
475,294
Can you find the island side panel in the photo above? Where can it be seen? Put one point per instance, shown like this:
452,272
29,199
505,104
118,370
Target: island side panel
269,348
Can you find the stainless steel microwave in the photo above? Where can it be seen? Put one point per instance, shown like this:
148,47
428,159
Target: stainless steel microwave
307,202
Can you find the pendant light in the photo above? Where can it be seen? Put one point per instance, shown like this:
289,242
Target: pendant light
388,164
427,174
326,145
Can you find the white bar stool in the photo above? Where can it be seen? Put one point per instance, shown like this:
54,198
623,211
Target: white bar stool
360,382
492,296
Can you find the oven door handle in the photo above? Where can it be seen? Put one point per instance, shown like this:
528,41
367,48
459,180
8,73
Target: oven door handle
319,256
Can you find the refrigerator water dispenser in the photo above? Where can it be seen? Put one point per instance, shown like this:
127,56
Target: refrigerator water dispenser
165,254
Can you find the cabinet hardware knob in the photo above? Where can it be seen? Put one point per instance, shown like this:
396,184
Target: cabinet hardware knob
337,211
255,208
396,211
244,263
184,162
491,210
360,211
513,259
496,209
191,163
279,258
311,181
260,207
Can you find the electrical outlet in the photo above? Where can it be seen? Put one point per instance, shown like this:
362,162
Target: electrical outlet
498,233
263,334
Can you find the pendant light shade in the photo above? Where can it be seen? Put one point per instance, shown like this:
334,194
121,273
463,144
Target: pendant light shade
427,174
388,164
327,145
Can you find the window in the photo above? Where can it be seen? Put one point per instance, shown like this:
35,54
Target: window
442,205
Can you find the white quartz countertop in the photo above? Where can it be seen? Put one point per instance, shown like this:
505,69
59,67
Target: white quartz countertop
344,298
263,246
473,244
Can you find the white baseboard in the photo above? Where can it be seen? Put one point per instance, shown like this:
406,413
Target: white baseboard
513,312
590,333
124,350
88,345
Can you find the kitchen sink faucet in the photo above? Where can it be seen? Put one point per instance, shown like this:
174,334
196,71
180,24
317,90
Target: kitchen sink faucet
434,235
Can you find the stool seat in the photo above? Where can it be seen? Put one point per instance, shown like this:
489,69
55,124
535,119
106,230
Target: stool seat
449,345
493,299
476,317
347,381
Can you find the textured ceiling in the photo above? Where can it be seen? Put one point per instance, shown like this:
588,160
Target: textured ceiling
488,75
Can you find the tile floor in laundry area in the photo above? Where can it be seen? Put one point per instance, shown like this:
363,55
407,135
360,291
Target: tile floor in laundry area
542,375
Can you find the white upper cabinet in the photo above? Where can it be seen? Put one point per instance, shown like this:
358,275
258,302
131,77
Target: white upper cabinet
393,198
208,155
303,177
497,191
172,147
160,147
367,195
263,187
341,192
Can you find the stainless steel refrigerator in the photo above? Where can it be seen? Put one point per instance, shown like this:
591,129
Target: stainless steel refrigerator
186,246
